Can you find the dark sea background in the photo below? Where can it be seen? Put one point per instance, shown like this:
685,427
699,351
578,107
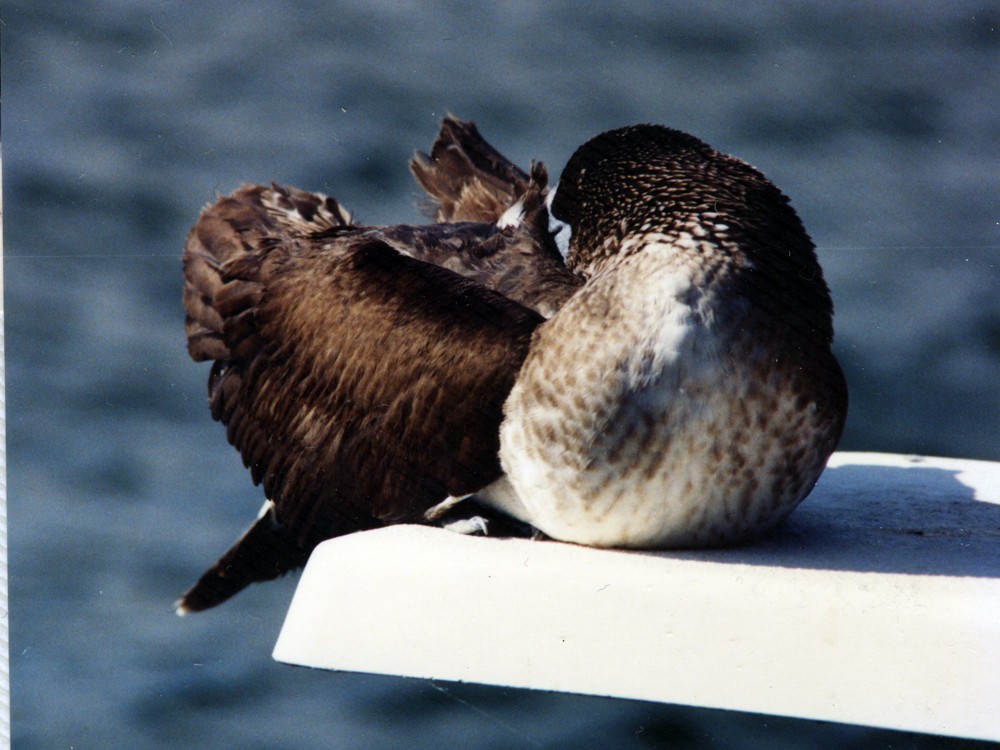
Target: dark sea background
122,119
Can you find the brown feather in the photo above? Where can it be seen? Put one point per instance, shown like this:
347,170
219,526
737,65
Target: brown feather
337,376
359,342
465,177
686,395
520,263
263,553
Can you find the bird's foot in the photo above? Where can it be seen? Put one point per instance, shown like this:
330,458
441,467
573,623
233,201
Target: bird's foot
473,526
435,512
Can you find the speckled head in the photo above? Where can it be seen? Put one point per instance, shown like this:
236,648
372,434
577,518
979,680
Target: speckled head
649,179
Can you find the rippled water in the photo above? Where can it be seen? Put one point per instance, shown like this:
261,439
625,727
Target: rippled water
122,119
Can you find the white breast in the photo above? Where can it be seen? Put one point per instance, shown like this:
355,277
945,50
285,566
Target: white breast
631,422
600,368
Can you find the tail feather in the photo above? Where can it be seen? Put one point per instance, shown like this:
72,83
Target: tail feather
263,553
465,177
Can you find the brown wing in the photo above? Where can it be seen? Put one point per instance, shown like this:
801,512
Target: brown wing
465,177
469,181
361,386
518,262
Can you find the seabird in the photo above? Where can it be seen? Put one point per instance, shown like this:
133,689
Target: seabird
637,358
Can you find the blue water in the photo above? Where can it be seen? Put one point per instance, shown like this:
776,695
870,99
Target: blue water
122,119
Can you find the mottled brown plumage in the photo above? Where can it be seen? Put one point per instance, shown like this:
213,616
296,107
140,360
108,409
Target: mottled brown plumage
682,391
710,412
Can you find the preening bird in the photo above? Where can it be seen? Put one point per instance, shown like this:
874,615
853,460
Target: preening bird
638,357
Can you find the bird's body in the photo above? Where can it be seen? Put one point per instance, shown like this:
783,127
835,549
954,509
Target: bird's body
668,384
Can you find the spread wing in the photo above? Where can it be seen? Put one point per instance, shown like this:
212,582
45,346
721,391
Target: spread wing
361,386
465,177
467,180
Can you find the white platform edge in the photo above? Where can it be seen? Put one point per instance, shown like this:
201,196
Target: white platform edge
878,604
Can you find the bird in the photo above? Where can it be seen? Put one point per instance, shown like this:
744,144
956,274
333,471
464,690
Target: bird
637,357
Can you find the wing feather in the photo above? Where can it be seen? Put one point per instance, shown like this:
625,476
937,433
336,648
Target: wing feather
465,177
336,370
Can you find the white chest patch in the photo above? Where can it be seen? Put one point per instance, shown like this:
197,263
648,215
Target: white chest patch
619,357
512,217
632,423
561,231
